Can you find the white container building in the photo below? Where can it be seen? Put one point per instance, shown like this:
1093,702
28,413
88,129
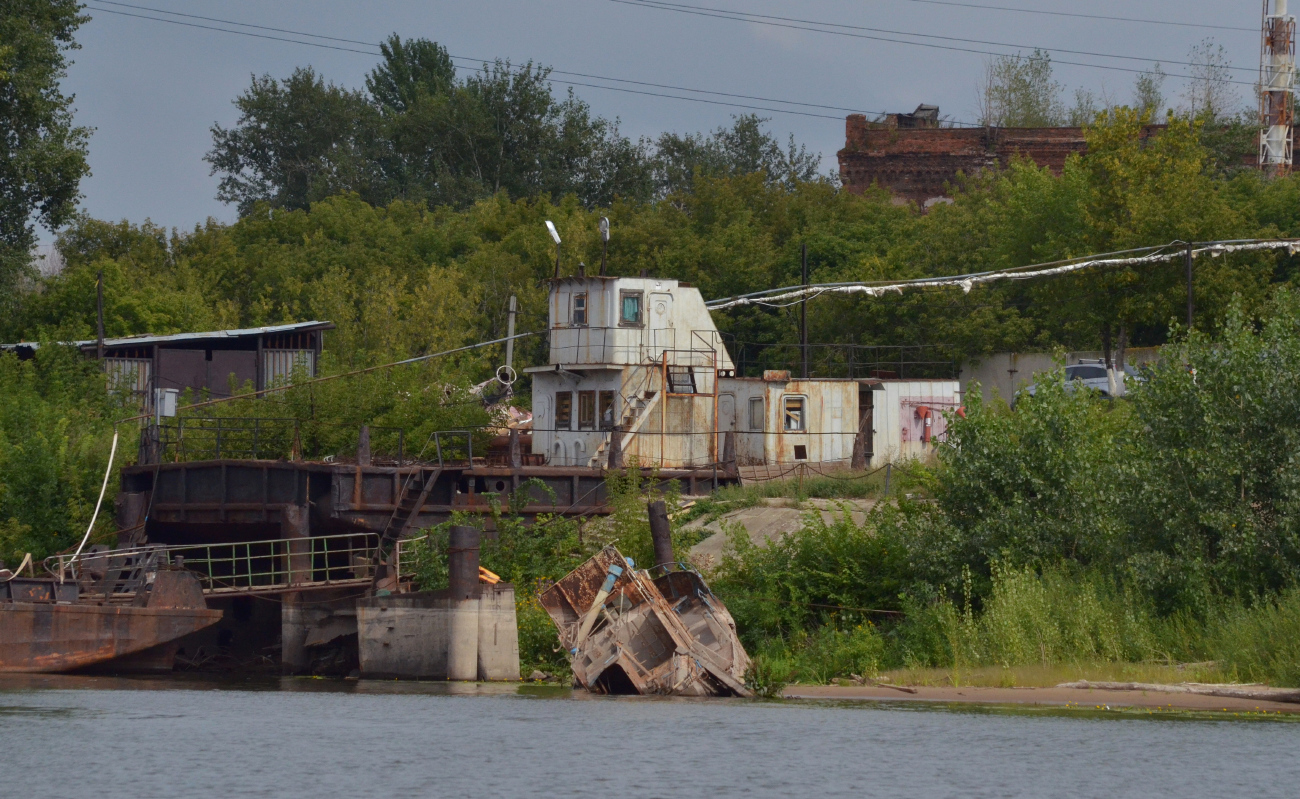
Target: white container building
637,368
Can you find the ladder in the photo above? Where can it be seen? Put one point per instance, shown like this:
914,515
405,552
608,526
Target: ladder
414,493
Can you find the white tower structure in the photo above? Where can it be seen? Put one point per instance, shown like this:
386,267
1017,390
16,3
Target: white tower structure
1276,85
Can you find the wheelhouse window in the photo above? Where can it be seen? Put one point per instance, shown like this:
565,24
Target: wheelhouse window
579,316
756,413
563,410
586,410
796,413
631,310
605,408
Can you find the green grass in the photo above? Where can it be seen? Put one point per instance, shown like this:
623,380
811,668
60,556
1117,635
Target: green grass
1049,627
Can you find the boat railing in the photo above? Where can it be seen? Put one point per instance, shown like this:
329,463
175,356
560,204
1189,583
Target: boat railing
265,566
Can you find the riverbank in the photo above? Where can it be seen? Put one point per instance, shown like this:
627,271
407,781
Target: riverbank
1046,697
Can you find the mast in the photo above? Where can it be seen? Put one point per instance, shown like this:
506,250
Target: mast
1276,83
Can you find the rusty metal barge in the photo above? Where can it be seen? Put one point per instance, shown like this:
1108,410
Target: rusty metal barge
129,619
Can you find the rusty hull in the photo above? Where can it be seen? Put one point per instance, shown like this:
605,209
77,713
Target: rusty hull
56,637
668,636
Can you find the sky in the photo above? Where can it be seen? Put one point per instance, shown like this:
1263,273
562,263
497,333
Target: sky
152,90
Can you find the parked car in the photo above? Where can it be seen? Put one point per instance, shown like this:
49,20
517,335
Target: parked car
1092,374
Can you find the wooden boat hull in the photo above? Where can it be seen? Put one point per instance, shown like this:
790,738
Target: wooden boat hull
48,637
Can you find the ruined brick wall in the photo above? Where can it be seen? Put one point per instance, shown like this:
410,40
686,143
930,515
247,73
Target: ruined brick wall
916,164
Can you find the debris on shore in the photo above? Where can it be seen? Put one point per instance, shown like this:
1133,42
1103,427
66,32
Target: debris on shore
628,634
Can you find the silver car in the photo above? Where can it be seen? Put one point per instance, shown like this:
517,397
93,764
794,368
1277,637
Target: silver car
1092,374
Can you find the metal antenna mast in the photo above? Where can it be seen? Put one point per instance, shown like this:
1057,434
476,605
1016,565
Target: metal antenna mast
1276,84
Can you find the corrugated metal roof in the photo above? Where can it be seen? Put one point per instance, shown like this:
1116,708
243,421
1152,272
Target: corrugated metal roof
147,338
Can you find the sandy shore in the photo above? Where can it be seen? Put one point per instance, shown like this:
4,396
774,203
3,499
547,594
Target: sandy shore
1056,697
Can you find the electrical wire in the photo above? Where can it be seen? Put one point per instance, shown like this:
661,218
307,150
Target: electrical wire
1104,17
735,17
97,6
668,6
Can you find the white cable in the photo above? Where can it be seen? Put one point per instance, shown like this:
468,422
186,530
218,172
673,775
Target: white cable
72,564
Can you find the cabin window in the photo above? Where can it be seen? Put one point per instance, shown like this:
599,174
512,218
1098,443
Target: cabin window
801,452
630,309
579,317
586,410
756,413
681,380
563,410
796,413
606,410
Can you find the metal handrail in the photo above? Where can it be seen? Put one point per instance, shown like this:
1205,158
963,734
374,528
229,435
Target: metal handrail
252,566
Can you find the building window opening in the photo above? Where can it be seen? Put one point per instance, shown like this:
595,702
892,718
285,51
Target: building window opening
563,410
606,410
586,410
756,413
579,318
800,452
630,309
681,380
795,413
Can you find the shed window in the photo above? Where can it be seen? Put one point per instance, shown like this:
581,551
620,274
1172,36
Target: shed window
586,410
606,410
630,311
756,413
796,413
579,318
563,410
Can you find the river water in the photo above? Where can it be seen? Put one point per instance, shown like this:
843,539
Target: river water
110,737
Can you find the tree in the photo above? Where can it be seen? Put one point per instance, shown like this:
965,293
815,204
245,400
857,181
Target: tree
1019,92
410,69
1148,92
743,149
421,134
296,142
42,154
1209,94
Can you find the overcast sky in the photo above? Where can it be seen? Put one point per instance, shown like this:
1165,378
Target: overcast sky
152,90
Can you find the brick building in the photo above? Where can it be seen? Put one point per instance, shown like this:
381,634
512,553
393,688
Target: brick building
916,159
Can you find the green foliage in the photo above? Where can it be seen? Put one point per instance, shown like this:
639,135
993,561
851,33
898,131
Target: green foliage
55,437
1214,499
44,155
1019,92
822,574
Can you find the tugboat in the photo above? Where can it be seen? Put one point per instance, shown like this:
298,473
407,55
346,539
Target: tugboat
127,615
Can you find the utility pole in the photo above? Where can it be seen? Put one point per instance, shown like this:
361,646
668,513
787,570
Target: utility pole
1276,89
99,314
803,318
1188,258
510,334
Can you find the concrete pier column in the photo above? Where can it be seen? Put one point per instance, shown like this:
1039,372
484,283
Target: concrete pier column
463,626
295,525
294,626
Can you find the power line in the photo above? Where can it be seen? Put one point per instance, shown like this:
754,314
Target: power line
804,25
477,61
669,6
1086,16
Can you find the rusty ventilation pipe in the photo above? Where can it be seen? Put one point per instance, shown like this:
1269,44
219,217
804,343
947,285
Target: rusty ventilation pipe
662,535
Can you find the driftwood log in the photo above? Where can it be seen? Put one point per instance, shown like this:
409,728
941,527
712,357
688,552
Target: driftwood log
1254,691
